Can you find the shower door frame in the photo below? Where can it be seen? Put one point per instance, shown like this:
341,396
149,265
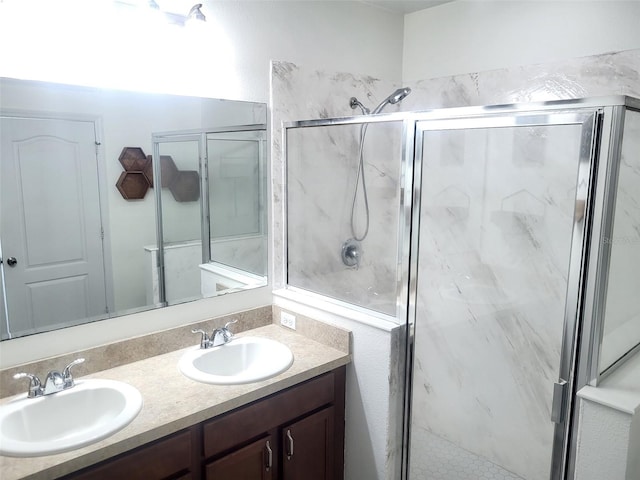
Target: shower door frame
553,114
405,183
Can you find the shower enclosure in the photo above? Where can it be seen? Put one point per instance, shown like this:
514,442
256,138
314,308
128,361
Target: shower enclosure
211,223
507,240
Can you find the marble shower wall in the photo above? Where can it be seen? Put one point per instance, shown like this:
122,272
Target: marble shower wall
615,73
299,93
322,168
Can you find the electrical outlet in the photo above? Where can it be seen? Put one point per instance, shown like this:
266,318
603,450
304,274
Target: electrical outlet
288,320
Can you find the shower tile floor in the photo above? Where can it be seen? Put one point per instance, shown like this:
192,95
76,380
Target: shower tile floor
439,459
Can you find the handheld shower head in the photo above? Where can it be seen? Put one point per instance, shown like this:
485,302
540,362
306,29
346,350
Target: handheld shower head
398,95
392,99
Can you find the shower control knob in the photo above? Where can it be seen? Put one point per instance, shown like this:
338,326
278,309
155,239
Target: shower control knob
351,252
11,261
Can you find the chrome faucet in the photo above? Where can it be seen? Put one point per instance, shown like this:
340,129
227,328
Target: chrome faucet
55,381
218,337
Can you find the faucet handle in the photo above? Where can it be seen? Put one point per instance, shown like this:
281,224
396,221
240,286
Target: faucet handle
226,325
35,387
204,339
66,373
228,334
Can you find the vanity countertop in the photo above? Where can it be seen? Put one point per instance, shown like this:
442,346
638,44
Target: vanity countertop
173,402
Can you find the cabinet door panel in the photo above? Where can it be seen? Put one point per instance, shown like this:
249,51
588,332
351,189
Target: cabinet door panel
308,450
260,417
162,459
253,462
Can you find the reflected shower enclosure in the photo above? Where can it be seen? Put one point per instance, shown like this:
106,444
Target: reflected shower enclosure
212,234
506,240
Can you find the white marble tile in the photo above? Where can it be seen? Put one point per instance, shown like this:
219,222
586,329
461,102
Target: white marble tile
322,169
615,73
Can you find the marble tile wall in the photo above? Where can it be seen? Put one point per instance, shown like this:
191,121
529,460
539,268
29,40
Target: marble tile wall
615,73
299,93
322,169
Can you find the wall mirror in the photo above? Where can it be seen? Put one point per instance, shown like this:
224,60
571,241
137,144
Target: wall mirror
114,202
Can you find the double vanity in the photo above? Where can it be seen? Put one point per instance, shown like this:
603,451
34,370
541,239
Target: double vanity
261,404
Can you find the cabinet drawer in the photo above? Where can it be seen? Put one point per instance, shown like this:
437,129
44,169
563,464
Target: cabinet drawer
248,422
158,460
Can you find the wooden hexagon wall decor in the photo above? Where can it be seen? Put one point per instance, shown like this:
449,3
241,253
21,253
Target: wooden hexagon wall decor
133,159
186,186
132,185
168,170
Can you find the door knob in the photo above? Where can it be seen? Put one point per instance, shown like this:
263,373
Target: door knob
11,261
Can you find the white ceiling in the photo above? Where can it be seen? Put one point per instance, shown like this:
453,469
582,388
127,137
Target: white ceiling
405,6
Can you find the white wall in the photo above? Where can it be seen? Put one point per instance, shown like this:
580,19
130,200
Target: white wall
228,57
473,36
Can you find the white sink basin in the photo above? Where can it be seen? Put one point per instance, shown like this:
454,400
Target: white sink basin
86,413
242,360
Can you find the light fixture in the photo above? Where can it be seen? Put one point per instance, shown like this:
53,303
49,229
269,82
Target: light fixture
196,14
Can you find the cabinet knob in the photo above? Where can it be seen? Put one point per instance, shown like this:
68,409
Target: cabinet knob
289,445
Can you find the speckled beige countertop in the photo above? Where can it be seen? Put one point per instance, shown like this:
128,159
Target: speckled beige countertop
173,402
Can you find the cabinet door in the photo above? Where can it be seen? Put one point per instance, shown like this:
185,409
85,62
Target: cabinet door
253,462
308,447
169,457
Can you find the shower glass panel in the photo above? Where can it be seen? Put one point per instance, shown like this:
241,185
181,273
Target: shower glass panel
237,185
181,218
323,218
621,333
495,242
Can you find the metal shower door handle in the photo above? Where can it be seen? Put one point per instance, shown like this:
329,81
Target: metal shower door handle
557,404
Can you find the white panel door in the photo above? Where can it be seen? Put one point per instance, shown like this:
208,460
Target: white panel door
50,223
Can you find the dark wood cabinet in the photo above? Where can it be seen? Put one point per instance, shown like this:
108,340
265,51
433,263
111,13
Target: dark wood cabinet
253,462
308,448
295,434
168,458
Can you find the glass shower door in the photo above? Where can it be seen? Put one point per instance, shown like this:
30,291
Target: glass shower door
180,217
501,228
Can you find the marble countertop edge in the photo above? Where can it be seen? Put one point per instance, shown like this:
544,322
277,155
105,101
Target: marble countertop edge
173,402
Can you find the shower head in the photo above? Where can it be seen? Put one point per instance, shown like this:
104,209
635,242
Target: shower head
394,98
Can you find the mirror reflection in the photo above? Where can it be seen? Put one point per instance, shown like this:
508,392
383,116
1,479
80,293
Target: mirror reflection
92,226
